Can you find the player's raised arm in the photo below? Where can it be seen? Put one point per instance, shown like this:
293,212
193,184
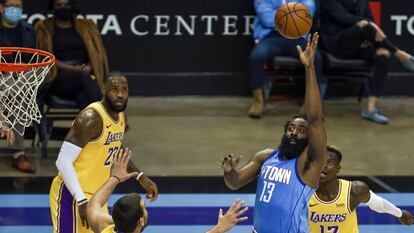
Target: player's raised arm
235,179
86,127
313,159
360,193
99,219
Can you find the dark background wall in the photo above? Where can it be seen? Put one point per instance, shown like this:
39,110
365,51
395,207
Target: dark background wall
200,47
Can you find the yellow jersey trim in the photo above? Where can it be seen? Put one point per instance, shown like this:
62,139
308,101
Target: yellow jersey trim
109,116
334,200
348,197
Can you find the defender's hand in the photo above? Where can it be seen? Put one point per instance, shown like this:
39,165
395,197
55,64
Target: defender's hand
406,218
229,162
232,216
307,57
150,187
120,164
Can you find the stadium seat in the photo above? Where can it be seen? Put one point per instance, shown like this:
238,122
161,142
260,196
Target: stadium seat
53,109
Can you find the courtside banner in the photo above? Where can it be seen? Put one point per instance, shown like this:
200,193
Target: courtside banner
168,36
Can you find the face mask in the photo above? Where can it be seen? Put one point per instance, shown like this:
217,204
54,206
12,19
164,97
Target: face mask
63,13
13,14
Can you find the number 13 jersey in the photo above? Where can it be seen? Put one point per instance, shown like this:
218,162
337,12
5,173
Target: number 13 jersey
93,164
281,198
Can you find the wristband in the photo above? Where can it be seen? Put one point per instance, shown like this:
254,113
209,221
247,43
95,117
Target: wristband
81,202
116,177
139,175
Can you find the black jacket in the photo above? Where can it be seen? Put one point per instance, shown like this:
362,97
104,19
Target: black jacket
27,33
339,15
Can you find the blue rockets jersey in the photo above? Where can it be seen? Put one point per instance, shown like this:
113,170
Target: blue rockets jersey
281,198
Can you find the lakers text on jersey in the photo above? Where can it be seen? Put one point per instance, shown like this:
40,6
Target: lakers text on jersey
334,216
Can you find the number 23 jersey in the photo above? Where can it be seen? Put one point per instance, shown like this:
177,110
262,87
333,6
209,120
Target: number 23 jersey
93,164
281,198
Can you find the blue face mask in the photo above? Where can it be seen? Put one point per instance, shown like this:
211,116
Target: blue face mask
13,14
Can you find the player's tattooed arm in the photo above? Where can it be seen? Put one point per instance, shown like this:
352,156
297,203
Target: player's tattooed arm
235,179
312,161
359,194
86,127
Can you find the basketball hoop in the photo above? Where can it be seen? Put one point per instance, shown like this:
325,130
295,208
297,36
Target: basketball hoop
22,70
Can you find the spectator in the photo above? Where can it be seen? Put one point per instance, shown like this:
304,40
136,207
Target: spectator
15,32
269,43
81,56
348,31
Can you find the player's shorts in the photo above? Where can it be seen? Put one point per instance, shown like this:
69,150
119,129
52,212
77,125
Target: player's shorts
64,211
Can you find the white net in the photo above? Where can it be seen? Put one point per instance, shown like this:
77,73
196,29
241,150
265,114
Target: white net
18,89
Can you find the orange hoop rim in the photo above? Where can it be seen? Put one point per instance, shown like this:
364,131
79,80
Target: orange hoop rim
20,67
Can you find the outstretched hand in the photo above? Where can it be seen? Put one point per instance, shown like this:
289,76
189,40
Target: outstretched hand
120,164
229,162
307,57
230,218
406,218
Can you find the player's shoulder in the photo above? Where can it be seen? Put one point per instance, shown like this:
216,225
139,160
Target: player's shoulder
263,154
359,190
89,117
359,186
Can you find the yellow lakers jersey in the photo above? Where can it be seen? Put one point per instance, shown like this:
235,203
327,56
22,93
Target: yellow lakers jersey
334,216
93,164
109,229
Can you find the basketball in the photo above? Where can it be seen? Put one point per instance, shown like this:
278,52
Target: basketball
293,20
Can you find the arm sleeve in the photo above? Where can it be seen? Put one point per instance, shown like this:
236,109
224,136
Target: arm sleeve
380,205
64,163
339,14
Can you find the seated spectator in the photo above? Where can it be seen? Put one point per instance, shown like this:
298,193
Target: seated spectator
348,31
269,43
15,32
81,56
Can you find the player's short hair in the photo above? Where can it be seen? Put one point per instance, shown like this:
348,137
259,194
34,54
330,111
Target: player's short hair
126,212
72,3
294,118
333,149
113,74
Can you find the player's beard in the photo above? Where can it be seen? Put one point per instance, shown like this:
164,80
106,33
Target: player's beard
112,106
290,151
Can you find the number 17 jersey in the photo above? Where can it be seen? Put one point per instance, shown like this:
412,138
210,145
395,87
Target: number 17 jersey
93,165
281,198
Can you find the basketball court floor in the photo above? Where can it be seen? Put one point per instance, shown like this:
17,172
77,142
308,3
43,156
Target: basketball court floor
179,142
